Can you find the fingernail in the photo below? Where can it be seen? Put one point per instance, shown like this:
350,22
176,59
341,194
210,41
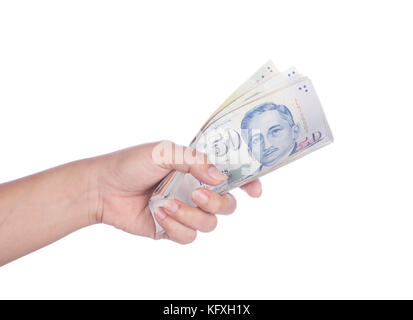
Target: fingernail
200,196
216,174
160,214
230,196
170,206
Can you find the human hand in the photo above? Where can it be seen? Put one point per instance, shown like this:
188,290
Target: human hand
126,179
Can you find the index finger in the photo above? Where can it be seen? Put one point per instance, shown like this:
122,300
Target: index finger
169,155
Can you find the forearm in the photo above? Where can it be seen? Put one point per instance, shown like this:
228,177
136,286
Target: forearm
40,209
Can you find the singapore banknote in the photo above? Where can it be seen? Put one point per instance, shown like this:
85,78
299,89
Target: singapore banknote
264,125
263,74
272,84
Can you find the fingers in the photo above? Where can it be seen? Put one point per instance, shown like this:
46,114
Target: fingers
213,202
185,159
191,217
253,188
175,230
180,221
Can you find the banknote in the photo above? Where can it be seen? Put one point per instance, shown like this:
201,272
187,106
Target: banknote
264,125
263,74
272,84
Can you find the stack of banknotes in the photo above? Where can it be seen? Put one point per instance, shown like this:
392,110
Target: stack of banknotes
270,120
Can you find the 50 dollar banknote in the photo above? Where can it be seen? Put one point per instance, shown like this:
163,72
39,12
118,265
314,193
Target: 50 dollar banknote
269,121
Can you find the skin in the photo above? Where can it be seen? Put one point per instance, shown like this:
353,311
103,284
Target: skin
113,189
276,139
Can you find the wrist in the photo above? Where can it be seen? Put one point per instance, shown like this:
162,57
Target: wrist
91,193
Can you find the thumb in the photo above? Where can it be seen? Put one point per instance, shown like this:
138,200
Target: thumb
170,156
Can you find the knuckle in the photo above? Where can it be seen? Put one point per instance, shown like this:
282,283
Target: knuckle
165,144
215,205
161,236
231,204
167,141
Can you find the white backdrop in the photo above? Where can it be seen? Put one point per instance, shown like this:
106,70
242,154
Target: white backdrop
82,78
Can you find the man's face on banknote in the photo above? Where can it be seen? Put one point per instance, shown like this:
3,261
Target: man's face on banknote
271,135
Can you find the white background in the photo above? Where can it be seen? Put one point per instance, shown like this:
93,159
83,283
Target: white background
82,78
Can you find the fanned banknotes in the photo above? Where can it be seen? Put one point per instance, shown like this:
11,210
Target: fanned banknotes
270,120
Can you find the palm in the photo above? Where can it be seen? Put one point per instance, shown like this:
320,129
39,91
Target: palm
126,185
126,188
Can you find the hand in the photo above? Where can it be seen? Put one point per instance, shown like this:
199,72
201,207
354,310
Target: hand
114,189
127,178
